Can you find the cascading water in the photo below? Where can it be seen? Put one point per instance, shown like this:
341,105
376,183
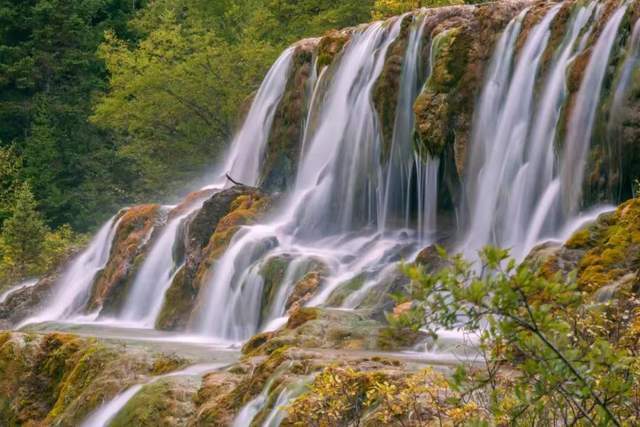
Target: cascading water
542,184
342,190
145,302
277,412
582,119
146,297
515,176
499,167
397,192
73,289
247,148
24,285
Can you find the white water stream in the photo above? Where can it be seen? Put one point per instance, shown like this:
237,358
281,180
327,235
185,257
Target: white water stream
73,289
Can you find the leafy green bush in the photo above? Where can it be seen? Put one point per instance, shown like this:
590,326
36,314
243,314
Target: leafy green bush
551,358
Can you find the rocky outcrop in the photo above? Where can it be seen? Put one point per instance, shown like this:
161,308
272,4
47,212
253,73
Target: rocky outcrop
207,234
462,43
385,93
278,168
225,393
324,328
134,232
601,253
166,402
23,303
58,379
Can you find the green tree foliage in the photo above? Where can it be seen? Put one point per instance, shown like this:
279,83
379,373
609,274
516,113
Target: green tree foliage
49,73
28,248
175,96
386,8
10,165
23,233
551,358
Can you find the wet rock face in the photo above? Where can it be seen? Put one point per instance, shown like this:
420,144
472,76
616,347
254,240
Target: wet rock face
131,240
291,371
385,92
23,303
604,253
463,39
166,402
283,147
207,232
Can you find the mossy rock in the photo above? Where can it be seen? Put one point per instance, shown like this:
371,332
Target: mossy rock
58,379
322,329
207,233
165,402
130,242
279,166
343,291
387,87
601,252
273,272
330,46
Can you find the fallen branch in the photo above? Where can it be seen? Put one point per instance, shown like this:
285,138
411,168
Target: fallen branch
234,181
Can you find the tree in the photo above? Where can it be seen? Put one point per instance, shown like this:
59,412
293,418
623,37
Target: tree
175,96
10,165
386,8
564,366
24,234
49,74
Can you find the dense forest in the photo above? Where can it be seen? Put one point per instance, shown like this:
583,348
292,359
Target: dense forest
104,103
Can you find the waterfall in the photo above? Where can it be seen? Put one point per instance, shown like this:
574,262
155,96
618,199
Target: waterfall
542,184
247,148
341,164
144,301
364,197
338,210
515,178
397,192
499,143
152,281
583,116
73,289
614,129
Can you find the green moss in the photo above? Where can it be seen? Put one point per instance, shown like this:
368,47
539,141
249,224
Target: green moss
302,316
342,292
178,302
449,60
165,363
162,403
330,45
273,273
579,239
444,99
614,247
